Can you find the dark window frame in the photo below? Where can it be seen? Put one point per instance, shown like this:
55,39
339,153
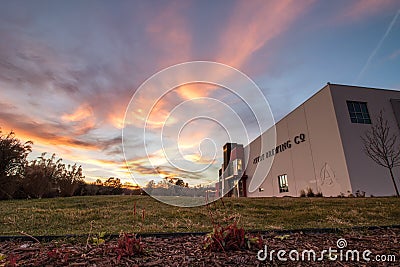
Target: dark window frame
283,183
358,112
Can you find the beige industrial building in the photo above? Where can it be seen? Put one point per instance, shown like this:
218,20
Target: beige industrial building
318,146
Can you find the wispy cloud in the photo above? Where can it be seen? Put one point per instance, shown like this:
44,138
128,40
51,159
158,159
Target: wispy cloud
252,26
378,46
169,34
361,9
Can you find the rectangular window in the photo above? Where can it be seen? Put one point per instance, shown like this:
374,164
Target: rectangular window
235,167
358,112
283,184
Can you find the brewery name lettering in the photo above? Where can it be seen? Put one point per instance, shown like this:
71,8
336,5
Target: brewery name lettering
280,148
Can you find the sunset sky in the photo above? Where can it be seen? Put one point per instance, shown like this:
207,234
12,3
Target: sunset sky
68,69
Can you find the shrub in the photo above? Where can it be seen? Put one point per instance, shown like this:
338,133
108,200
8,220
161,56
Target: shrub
302,193
48,177
360,193
129,245
13,155
310,192
230,237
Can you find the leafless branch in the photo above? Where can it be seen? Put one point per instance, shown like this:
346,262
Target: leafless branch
382,146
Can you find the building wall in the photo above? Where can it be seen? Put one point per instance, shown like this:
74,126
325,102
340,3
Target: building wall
316,162
257,171
365,174
331,159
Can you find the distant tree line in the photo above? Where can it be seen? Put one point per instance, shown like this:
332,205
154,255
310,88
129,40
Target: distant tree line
45,177
177,187
111,186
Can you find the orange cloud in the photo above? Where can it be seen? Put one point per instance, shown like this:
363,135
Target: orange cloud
82,120
116,120
157,116
253,24
56,140
47,133
152,109
116,117
199,159
83,112
195,90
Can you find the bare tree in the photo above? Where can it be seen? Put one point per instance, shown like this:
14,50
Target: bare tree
382,147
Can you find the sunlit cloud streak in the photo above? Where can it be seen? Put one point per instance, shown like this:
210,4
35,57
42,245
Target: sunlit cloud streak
252,26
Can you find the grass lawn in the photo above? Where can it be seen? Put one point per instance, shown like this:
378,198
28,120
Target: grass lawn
113,214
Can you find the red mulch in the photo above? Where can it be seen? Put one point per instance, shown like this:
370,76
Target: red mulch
189,251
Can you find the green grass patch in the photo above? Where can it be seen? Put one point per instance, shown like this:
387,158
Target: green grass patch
113,214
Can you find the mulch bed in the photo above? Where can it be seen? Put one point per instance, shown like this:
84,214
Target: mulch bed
189,251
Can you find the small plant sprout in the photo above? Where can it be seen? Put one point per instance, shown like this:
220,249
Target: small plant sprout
282,237
99,239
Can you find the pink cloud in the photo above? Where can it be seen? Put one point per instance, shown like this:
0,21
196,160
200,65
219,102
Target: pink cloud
169,34
253,24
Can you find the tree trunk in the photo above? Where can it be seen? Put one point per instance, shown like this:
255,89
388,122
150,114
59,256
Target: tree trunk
394,182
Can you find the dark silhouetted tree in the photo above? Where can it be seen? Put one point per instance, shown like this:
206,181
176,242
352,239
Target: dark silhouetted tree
47,177
180,182
150,186
114,185
41,177
382,147
69,179
13,155
113,182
